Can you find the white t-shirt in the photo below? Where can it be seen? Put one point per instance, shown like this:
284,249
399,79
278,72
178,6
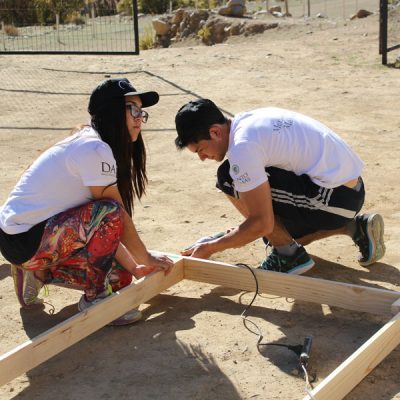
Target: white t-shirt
59,180
274,137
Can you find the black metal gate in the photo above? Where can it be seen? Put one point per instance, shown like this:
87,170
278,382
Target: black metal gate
389,28
74,27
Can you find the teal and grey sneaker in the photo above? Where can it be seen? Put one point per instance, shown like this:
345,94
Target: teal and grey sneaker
369,238
27,287
297,264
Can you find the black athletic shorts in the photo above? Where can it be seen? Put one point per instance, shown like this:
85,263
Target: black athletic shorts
21,247
302,206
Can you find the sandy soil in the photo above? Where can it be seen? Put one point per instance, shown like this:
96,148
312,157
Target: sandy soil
192,343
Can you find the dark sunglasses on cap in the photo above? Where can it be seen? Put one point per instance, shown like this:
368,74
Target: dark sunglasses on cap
137,112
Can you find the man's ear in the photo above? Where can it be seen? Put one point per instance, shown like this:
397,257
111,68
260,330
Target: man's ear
215,132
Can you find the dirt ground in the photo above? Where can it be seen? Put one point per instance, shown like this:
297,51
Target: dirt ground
191,343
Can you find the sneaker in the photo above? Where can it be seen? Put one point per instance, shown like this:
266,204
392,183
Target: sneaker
369,238
128,318
27,287
297,264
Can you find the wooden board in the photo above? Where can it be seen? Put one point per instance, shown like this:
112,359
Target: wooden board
353,297
34,352
350,373
396,307
344,295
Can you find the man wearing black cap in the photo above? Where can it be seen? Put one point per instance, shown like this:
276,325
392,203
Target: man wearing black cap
292,178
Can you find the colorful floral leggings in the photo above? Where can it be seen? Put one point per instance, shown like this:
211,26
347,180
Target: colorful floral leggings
78,248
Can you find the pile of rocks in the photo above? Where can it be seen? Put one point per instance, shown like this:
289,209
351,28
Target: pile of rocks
206,25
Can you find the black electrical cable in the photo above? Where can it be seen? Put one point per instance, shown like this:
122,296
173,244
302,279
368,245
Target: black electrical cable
298,349
295,348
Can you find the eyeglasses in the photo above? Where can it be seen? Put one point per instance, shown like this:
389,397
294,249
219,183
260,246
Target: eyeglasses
137,112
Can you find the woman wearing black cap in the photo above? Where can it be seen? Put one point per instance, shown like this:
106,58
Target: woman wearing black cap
69,219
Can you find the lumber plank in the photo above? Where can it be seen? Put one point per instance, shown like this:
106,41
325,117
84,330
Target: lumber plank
34,352
350,373
396,307
348,296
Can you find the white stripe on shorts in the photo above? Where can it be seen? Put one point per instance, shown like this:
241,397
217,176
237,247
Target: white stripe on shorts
320,202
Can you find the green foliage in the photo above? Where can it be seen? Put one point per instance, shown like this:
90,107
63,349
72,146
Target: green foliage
204,34
45,16
61,7
125,6
47,9
207,4
146,41
17,12
153,6
162,6
103,7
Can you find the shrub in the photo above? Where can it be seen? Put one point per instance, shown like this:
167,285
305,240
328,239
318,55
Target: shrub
153,6
125,7
10,30
204,34
146,41
75,18
207,4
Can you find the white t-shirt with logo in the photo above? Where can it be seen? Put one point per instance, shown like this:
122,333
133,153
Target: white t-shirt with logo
58,180
275,137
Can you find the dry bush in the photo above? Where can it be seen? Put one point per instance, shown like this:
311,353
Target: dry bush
10,30
75,18
146,41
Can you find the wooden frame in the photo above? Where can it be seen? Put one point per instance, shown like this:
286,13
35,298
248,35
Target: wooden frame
353,297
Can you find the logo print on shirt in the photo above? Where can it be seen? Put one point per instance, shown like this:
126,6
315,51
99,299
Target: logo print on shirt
244,178
107,169
278,124
235,169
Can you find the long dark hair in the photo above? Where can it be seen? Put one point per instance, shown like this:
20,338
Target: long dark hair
130,156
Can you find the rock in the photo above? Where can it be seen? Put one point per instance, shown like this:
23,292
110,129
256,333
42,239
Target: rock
234,30
275,9
195,18
361,14
261,12
253,29
177,16
161,27
204,25
234,8
397,62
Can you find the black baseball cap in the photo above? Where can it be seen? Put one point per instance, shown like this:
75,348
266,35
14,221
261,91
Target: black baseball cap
114,88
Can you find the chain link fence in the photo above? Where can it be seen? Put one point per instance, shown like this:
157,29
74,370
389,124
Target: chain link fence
68,27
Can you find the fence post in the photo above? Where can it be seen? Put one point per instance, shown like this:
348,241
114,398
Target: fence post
58,26
383,30
286,7
3,35
93,15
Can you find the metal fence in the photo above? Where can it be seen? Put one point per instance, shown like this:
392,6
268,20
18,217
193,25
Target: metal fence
84,30
389,32
332,9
